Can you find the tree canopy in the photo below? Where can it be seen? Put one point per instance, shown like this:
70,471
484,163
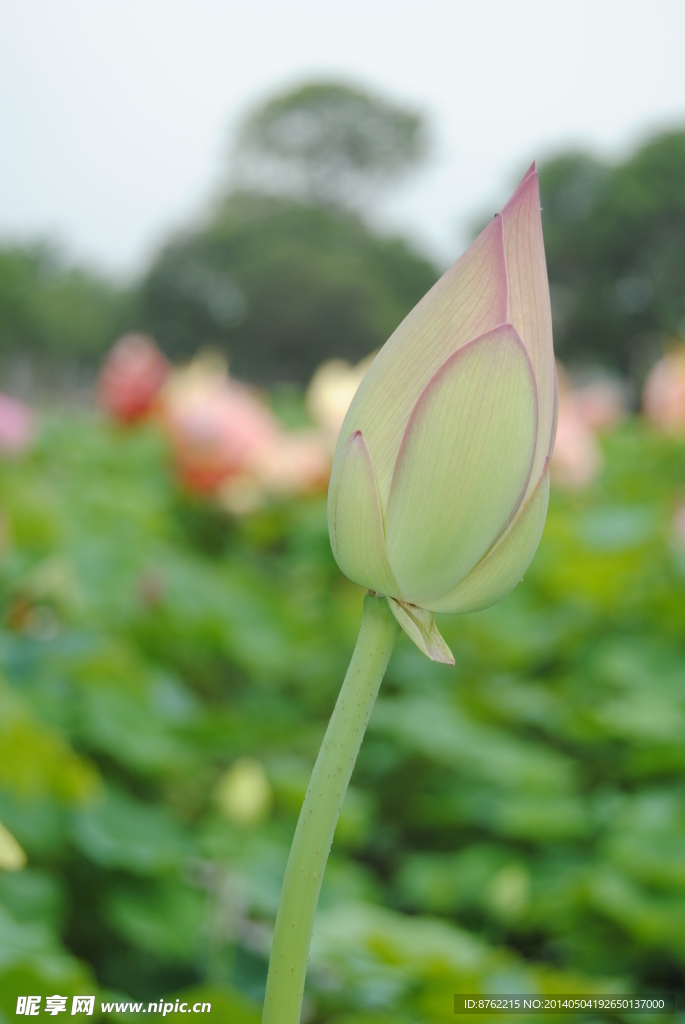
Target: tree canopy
50,309
285,271
327,143
615,241
280,286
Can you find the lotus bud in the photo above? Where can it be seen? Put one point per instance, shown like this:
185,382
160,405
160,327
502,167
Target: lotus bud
440,479
12,857
243,792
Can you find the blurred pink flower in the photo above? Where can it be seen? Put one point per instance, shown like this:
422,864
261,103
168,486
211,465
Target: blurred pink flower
600,404
663,397
217,428
17,426
583,412
292,463
295,463
577,458
131,378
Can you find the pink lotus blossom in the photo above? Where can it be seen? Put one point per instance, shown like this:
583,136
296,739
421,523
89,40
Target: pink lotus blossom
217,428
295,463
663,398
584,412
600,404
577,457
17,426
292,463
131,378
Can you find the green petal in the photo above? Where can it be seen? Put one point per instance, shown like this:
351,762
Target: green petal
419,625
529,307
355,522
463,465
467,301
504,565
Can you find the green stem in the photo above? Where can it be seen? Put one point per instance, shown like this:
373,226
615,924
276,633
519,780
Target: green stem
319,815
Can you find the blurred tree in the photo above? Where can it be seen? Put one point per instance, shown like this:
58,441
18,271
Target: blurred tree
615,239
281,286
327,143
53,311
285,272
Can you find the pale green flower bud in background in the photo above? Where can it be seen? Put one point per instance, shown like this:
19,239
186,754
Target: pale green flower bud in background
440,480
243,792
12,857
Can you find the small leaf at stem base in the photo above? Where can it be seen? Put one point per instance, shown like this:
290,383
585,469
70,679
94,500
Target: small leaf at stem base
419,625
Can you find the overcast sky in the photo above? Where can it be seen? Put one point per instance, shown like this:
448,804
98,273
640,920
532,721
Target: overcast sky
115,117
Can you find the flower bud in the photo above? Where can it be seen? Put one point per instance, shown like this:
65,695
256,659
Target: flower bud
440,479
12,857
243,792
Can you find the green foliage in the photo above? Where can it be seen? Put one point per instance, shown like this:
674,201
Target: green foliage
615,253
50,310
515,822
280,286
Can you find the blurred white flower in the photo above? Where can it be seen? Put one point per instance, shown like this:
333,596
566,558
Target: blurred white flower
243,792
12,857
331,391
